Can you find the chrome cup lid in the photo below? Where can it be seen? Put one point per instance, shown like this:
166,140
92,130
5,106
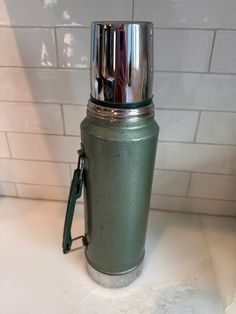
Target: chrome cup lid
122,62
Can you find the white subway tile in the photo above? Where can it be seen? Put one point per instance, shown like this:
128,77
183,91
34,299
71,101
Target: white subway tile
44,85
170,182
73,116
193,205
4,150
177,125
224,56
196,157
213,186
217,127
35,172
28,47
73,47
187,13
59,193
195,91
182,50
32,118
7,189
4,16
44,147
69,12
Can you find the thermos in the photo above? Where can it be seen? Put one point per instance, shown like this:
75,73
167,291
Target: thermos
117,155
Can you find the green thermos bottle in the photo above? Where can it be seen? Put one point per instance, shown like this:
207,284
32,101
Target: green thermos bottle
117,155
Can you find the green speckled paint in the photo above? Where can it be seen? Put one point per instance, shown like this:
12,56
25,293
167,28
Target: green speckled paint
119,164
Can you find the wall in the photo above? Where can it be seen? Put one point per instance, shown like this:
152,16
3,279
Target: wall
44,75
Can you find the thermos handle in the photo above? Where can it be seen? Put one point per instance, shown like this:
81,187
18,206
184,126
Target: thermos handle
75,193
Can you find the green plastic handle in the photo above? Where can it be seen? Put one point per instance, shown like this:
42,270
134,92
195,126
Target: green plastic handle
75,193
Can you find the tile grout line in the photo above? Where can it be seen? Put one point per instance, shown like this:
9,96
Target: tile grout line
193,172
40,199
45,26
132,8
193,213
199,172
211,258
57,103
44,68
211,144
200,143
186,109
156,168
47,199
20,67
64,134
160,194
38,160
72,169
197,126
44,103
195,72
210,29
78,26
36,184
195,198
173,109
56,47
63,122
8,144
87,69
17,191
43,134
67,187
211,53
189,184
72,165
155,209
160,141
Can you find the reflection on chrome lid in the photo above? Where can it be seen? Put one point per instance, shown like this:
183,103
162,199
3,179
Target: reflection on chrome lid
122,61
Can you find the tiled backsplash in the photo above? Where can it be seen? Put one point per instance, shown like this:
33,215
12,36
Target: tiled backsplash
44,75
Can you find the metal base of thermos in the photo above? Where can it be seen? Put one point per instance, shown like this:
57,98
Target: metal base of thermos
115,281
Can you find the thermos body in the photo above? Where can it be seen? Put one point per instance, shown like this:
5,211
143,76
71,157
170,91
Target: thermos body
117,156
119,163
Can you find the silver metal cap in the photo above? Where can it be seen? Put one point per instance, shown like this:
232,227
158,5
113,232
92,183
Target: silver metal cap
122,61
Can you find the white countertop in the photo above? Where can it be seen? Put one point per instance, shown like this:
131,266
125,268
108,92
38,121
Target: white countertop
190,265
